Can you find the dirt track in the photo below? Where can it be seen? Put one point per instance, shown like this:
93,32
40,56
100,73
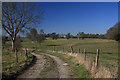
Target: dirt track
64,71
34,71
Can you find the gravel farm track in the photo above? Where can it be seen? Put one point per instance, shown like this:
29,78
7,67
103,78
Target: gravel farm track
34,71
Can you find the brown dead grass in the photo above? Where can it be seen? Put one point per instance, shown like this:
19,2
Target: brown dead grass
100,72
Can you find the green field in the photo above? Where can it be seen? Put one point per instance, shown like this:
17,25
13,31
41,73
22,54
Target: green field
108,48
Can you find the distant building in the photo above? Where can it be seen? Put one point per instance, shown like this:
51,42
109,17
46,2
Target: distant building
62,36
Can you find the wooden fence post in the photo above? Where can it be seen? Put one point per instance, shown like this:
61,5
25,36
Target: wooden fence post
84,54
16,55
53,48
78,50
21,53
72,49
26,54
97,58
63,49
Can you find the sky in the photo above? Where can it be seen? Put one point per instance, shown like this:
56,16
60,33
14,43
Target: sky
74,17
60,0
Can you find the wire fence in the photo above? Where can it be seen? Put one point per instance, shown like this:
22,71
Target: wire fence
106,60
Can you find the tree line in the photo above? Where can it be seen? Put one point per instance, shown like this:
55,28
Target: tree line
20,17
112,33
35,36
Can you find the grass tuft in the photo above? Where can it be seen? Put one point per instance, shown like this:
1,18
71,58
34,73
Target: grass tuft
79,70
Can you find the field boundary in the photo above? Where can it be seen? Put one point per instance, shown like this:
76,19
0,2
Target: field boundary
78,70
90,65
19,72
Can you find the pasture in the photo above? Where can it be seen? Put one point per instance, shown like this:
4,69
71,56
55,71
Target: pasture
108,49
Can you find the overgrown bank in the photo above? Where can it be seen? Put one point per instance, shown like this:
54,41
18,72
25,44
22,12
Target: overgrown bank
11,69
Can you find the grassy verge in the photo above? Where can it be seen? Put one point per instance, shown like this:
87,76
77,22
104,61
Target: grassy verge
10,68
108,48
49,65
79,70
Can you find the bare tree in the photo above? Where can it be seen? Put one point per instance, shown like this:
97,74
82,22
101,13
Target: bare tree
53,36
82,35
78,35
0,14
33,34
68,35
114,32
40,38
41,31
17,16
